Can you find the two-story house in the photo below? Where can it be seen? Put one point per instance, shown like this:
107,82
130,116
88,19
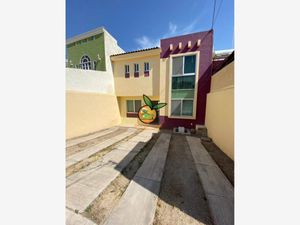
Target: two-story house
178,73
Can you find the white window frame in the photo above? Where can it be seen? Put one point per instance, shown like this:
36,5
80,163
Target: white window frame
133,105
126,67
181,104
85,65
146,68
136,68
197,53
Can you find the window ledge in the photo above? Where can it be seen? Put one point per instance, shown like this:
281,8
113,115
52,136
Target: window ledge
183,117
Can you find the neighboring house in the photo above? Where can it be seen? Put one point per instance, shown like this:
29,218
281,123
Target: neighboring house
220,105
90,50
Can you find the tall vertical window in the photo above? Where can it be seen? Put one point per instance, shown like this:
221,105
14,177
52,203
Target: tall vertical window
146,66
183,85
136,70
85,63
127,71
146,69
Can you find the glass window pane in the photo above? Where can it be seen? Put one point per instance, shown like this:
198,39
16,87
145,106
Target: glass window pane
130,106
187,107
138,104
178,93
184,82
190,64
175,107
177,66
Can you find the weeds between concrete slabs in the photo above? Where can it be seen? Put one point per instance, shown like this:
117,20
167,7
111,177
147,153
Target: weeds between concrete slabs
102,206
89,143
181,198
98,155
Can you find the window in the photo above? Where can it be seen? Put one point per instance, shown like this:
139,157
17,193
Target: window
183,85
136,70
126,71
146,67
85,63
133,107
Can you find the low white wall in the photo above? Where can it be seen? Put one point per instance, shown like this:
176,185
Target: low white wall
89,81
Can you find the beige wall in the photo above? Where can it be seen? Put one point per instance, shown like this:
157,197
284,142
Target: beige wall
137,86
90,112
123,109
219,118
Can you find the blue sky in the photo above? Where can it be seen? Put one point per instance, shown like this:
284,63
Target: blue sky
138,24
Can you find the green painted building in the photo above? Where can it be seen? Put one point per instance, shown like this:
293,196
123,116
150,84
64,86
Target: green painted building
87,51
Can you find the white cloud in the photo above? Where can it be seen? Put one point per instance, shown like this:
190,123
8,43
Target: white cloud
174,30
146,42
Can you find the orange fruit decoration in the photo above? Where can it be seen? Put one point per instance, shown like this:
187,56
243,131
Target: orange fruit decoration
147,113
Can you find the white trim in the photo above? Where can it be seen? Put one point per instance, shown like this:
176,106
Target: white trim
197,53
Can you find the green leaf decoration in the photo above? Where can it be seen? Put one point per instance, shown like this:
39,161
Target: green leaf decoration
148,101
159,106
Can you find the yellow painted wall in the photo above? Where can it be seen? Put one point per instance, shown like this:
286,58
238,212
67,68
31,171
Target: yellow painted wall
164,85
123,109
219,118
141,85
90,112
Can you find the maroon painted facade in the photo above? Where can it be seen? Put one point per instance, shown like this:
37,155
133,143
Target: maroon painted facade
204,76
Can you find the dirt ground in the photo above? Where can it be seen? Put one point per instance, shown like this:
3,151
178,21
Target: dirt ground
102,206
225,163
181,198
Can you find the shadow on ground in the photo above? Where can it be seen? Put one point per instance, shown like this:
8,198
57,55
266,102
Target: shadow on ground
180,188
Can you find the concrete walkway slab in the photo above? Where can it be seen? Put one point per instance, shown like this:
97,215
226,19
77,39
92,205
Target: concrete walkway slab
76,219
71,160
84,186
75,141
138,204
218,190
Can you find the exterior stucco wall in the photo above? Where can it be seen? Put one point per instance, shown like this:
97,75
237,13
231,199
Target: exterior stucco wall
90,112
219,118
89,81
137,86
91,48
204,75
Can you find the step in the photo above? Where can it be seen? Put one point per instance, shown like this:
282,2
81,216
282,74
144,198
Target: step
201,130
138,204
75,141
218,190
79,156
84,186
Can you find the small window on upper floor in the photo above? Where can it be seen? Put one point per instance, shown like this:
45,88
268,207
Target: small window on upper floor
127,74
136,68
146,67
85,63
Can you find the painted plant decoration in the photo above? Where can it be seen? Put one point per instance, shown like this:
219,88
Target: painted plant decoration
148,113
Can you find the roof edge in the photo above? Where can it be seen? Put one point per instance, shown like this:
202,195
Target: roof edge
87,34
